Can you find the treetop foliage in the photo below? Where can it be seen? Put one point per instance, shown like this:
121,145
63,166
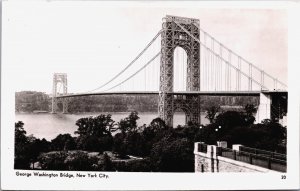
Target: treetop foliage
163,148
99,126
129,123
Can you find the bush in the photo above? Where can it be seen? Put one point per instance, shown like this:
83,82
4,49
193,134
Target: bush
133,165
53,160
79,161
105,164
75,161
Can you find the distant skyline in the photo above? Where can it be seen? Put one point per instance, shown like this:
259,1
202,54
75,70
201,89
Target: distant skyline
91,41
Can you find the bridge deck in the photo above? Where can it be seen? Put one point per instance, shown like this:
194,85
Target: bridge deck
204,93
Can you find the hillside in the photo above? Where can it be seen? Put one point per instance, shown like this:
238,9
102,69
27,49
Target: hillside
30,101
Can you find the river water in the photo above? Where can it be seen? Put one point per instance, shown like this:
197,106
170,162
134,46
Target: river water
48,126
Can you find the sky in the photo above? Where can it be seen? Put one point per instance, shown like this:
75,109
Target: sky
91,41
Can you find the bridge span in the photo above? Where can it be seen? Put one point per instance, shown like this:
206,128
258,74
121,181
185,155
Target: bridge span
203,93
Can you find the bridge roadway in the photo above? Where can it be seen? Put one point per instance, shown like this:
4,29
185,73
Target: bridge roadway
204,93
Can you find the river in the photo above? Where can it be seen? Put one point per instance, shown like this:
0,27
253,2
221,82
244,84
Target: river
48,126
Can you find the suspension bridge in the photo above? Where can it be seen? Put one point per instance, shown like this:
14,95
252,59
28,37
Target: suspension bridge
180,64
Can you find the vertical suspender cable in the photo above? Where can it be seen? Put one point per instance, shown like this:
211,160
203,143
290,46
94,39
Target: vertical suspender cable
262,78
239,74
132,84
226,75
208,68
205,64
275,83
145,71
250,77
229,71
213,53
212,63
221,55
217,71
183,66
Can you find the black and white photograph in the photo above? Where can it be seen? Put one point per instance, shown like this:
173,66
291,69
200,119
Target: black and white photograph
100,91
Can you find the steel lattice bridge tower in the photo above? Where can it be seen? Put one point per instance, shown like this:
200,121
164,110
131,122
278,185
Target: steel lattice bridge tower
212,69
59,78
173,36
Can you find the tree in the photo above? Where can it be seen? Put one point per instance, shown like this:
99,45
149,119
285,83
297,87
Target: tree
230,119
250,109
207,134
131,143
63,142
35,147
134,144
95,133
20,133
157,124
27,148
156,127
276,133
119,146
129,123
212,112
172,155
154,133
22,159
100,126
189,132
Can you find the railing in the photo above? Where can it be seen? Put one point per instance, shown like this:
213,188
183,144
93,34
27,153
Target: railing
202,148
259,158
265,153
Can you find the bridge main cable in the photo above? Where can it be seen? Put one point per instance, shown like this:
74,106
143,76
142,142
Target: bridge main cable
150,61
130,64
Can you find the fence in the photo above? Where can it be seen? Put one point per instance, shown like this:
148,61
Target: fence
265,153
266,159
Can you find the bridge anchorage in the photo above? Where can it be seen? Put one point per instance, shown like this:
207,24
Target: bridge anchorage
61,80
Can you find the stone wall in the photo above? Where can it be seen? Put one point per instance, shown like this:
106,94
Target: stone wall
227,166
201,163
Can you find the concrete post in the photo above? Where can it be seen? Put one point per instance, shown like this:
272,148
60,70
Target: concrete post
196,147
236,147
222,144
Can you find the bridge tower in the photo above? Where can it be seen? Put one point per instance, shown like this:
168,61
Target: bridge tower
59,78
173,36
